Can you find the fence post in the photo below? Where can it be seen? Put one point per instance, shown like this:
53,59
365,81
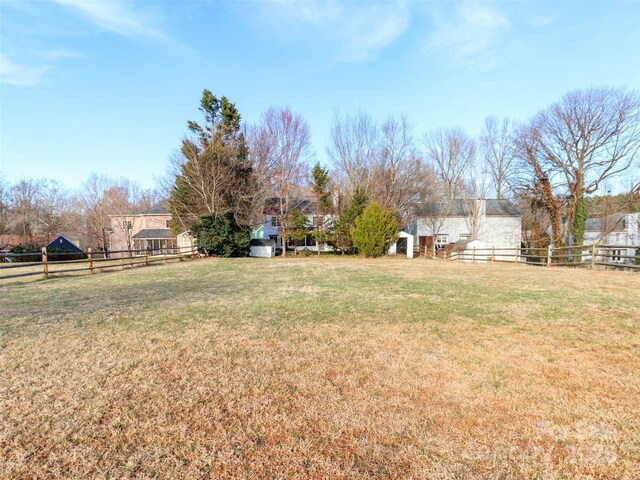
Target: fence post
549,255
45,265
493,253
164,255
193,251
517,259
594,254
90,257
473,257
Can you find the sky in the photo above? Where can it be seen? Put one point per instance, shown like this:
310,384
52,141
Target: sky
108,87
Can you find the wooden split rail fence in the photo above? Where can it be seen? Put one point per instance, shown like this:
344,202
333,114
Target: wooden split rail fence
591,256
48,263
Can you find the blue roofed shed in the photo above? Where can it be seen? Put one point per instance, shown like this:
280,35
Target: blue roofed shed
63,244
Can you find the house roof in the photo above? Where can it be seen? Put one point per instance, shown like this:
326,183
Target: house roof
154,234
611,223
457,208
8,241
63,243
306,205
160,208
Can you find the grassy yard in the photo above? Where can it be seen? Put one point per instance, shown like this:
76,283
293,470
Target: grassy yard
330,368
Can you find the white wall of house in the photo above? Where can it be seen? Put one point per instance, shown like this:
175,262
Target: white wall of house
271,230
627,234
493,231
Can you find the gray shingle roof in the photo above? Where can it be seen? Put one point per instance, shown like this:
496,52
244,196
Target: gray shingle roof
306,205
613,223
457,208
154,233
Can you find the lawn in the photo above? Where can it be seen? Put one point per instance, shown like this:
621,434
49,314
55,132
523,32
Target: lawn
322,368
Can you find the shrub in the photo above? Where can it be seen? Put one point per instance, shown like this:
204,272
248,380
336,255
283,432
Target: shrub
374,231
27,249
221,236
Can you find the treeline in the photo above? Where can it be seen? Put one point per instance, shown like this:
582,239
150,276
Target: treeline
34,211
549,165
557,166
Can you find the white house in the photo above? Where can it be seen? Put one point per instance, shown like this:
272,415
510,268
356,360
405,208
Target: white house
619,229
497,223
270,228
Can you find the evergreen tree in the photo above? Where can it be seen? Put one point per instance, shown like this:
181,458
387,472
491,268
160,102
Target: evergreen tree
215,177
321,224
344,222
221,236
374,231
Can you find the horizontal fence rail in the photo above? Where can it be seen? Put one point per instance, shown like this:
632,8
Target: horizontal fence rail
49,264
609,256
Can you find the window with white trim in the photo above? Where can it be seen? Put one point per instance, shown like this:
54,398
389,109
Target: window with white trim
441,240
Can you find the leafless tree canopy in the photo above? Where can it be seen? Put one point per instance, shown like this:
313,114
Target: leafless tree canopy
3,206
400,179
353,148
282,150
572,147
451,152
497,145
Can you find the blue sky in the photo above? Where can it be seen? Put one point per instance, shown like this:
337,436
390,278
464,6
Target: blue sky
109,86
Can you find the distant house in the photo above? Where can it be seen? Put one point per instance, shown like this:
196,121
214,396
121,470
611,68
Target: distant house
63,244
497,223
270,228
619,229
146,232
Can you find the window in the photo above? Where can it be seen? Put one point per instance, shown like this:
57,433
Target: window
615,255
465,236
167,223
508,240
441,241
127,225
275,222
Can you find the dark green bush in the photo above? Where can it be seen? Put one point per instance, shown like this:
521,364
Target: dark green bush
221,236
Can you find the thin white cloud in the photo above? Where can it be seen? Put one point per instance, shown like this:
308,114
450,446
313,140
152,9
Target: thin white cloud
356,31
470,35
15,73
116,16
32,48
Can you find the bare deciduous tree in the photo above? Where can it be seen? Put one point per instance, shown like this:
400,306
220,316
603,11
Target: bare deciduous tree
575,145
399,174
23,207
353,149
3,207
53,209
286,147
497,145
450,151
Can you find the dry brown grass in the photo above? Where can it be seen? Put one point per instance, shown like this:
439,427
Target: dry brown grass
324,368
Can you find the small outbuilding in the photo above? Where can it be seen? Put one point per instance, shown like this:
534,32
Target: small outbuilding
404,245
471,251
63,244
260,247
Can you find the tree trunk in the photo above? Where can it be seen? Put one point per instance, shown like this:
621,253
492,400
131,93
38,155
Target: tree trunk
578,226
